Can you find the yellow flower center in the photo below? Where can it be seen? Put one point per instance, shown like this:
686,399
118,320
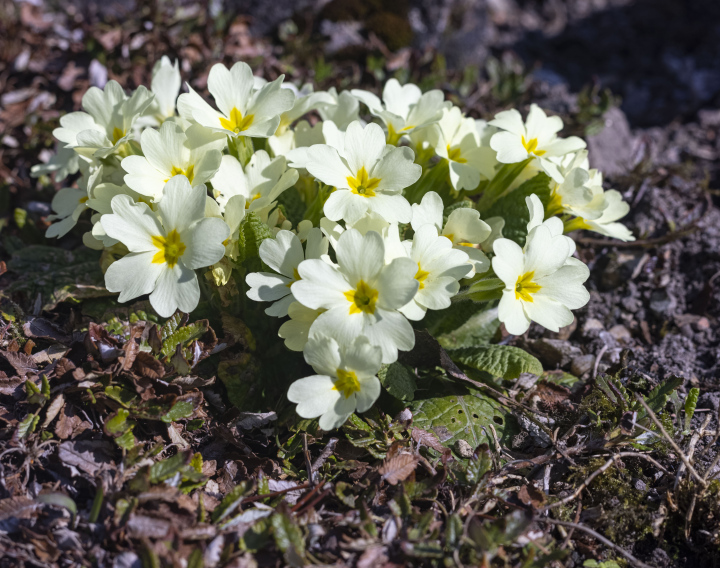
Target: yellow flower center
171,248
361,184
117,134
394,136
347,383
362,299
236,122
421,275
296,277
531,146
455,155
189,173
84,199
525,287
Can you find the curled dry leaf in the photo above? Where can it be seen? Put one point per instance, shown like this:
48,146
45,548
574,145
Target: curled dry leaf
398,468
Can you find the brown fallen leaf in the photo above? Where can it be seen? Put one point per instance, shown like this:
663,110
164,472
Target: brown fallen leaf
23,364
428,439
89,456
18,507
398,468
147,366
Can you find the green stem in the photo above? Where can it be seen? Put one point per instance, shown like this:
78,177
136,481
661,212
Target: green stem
429,181
315,209
500,183
482,291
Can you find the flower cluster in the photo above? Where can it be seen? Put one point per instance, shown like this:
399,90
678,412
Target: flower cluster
359,227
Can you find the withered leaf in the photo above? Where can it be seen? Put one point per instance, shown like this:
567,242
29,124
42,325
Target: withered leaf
18,507
530,495
45,329
142,526
428,439
23,364
89,456
147,366
12,386
69,424
53,409
398,468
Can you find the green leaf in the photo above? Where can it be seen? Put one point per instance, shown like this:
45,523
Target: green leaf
59,500
56,275
159,471
658,397
455,411
127,441
181,409
252,232
498,360
231,501
121,395
293,205
513,209
27,426
172,325
440,322
690,404
184,335
34,394
398,380
478,330
289,539
118,423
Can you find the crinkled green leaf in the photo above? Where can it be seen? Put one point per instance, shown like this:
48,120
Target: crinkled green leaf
658,397
126,441
690,404
440,322
513,208
503,361
478,330
252,232
183,335
398,380
28,425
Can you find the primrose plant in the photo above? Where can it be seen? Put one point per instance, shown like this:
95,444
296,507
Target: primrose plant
348,228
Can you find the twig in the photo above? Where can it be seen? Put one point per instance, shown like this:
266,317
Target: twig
657,423
583,485
691,448
308,464
326,453
597,536
598,359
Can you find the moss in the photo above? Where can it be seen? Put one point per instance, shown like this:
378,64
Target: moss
626,513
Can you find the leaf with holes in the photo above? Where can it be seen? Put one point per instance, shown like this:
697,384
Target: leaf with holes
454,411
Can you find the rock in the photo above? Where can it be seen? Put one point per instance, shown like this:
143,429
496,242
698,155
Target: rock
631,304
582,364
639,484
592,326
611,149
621,334
702,324
709,400
662,304
463,449
555,352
